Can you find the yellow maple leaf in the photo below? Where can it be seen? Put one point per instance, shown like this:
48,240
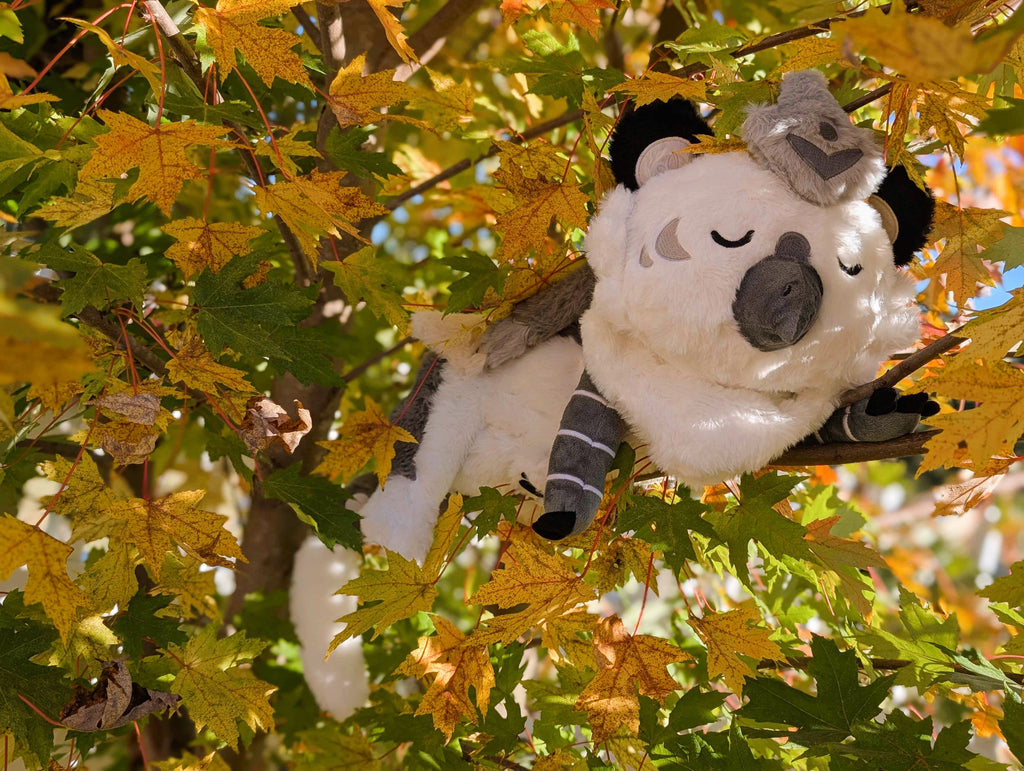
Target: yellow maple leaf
987,430
561,638
159,152
355,98
810,53
195,366
735,632
54,396
445,532
86,499
529,575
626,664
585,14
315,205
449,104
119,55
393,27
918,47
660,87
399,592
11,101
212,245
618,560
284,148
127,441
233,26
965,231
110,580
456,667
194,589
92,198
153,526
217,691
525,226
996,331
366,435
46,559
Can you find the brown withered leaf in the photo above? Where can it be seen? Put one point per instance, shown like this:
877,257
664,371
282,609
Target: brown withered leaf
267,423
143,408
126,441
115,701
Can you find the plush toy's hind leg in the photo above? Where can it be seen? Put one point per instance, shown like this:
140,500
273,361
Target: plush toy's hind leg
402,514
339,684
883,415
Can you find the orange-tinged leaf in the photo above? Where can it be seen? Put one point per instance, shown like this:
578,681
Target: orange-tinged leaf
11,101
660,87
445,532
626,664
729,634
194,365
125,440
525,227
996,331
266,422
121,56
545,582
366,435
46,559
159,152
393,27
354,98
456,667
585,14
845,558
396,593
810,53
961,497
200,245
234,27
92,198
216,690
448,104
620,559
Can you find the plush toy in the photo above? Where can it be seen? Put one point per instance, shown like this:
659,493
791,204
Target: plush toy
727,301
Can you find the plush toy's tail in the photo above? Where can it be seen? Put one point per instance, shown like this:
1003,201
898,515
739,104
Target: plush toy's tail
340,683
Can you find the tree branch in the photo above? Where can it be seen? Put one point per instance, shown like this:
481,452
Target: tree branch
899,371
308,26
429,39
802,662
854,452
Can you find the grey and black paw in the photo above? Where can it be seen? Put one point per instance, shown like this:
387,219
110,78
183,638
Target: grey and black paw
884,415
570,506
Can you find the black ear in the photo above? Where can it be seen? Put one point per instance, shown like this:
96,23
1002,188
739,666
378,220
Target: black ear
639,128
914,209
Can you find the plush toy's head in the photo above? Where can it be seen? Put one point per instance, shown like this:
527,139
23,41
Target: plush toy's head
767,267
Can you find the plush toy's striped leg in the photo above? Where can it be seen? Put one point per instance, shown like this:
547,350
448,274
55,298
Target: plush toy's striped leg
581,456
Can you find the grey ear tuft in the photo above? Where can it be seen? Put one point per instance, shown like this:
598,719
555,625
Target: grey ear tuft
807,139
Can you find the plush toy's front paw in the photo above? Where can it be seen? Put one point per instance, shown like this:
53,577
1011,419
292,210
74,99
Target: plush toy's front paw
882,416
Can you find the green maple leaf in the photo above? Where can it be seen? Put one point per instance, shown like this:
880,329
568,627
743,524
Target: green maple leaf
752,518
20,640
95,282
344,149
310,351
492,507
246,320
1012,725
1008,589
841,701
903,744
319,503
482,274
367,276
140,621
666,527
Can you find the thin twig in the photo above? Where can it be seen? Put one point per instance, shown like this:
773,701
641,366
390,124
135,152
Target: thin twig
359,369
854,452
910,364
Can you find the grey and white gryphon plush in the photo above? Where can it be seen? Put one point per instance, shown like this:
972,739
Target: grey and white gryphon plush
726,302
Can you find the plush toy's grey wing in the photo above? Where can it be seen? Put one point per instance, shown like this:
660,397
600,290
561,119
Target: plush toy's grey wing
883,415
539,318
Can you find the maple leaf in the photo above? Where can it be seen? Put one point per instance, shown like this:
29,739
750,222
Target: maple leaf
531,575
525,225
46,559
580,13
86,499
354,97
216,690
989,428
843,557
18,69
233,26
626,664
126,441
449,104
95,282
660,87
159,152
365,435
393,27
119,55
445,532
194,365
400,591
153,525
316,205
996,331
285,147
368,276
110,580
318,503
960,497
729,634
620,559
267,422
840,704
456,667
92,199
1008,588
194,589
810,53
212,245
561,638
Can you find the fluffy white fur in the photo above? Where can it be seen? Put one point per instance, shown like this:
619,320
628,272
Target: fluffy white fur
339,684
662,345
